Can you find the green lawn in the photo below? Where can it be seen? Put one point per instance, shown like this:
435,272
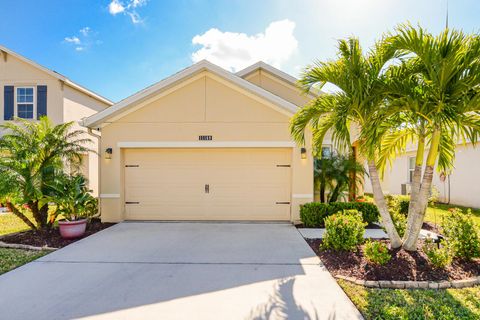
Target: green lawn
437,212
9,223
414,304
13,258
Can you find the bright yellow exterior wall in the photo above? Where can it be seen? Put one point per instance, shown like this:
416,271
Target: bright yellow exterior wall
64,103
202,105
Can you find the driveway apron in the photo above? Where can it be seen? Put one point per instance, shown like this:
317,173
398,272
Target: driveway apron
178,270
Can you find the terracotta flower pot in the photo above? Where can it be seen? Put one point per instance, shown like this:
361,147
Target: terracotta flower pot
72,229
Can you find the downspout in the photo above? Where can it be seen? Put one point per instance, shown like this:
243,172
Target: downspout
98,137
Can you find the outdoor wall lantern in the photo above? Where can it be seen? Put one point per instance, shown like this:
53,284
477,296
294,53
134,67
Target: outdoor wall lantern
303,152
108,153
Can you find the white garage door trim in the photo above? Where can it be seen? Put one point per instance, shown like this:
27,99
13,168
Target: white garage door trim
206,144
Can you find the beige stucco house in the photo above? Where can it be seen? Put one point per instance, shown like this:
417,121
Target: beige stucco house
29,90
459,188
205,144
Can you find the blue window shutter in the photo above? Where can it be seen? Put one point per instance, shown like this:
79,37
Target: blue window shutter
8,103
41,101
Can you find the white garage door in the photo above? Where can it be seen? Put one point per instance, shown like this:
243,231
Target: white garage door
207,184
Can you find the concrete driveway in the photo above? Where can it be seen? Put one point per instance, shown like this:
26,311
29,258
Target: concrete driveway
178,271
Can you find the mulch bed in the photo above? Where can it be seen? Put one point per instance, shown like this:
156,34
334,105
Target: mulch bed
404,265
52,238
430,226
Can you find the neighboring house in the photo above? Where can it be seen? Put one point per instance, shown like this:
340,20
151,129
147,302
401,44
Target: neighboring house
459,188
205,144
29,90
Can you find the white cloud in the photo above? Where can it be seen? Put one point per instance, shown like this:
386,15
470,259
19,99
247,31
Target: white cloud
85,31
115,7
74,40
234,51
83,39
127,8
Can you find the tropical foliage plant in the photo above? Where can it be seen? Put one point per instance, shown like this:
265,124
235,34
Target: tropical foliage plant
72,198
412,87
335,174
358,77
33,156
432,100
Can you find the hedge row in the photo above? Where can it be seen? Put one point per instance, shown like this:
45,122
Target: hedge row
313,214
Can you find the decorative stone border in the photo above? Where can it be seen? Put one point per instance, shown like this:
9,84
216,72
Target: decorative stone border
24,246
413,284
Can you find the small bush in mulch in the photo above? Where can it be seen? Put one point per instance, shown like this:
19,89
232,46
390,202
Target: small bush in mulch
403,266
463,234
52,238
377,252
440,256
344,230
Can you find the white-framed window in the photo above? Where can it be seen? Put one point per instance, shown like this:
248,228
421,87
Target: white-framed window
326,150
25,102
411,168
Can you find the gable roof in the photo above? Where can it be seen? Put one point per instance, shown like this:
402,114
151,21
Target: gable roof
65,80
122,107
260,65
265,66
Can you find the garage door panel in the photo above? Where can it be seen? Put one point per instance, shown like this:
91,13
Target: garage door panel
244,184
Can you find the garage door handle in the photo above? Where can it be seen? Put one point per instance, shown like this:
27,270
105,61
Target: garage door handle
132,202
286,202
207,188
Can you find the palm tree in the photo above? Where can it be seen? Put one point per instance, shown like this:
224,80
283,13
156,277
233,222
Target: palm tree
33,153
359,79
435,93
336,173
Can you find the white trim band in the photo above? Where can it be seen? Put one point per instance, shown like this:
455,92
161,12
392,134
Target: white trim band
207,144
302,196
109,196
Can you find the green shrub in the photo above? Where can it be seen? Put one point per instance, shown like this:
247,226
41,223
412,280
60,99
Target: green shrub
403,203
400,222
439,257
313,214
377,252
462,234
397,203
344,230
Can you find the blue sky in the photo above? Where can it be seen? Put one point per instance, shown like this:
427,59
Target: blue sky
117,47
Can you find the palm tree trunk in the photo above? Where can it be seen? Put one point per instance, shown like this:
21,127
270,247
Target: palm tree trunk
37,215
416,181
335,193
418,210
19,214
395,240
322,191
418,213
